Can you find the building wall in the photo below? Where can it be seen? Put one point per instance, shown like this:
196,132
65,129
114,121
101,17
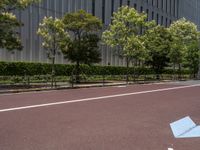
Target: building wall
163,11
190,9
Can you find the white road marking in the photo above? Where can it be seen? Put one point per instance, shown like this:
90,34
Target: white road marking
122,86
95,98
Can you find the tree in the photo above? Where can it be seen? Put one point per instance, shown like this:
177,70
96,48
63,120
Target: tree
124,32
54,38
158,43
9,37
83,46
184,34
10,5
191,59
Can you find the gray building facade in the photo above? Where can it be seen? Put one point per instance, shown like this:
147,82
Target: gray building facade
190,9
162,11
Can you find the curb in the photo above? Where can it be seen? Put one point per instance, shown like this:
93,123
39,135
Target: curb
57,88
76,87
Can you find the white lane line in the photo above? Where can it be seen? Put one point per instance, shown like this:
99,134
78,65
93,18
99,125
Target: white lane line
95,98
122,86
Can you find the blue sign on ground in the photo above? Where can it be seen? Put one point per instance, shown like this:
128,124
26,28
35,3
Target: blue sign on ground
185,128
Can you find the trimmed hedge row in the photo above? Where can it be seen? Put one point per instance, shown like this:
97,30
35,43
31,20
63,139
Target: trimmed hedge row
24,68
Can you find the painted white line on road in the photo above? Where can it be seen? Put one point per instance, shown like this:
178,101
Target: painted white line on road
122,86
95,98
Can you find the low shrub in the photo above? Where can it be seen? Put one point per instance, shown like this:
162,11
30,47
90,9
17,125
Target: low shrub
24,68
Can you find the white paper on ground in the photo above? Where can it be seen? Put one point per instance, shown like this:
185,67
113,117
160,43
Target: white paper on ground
185,128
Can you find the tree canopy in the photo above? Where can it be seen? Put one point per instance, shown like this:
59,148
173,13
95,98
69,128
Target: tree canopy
9,37
83,46
158,43
191,59
10,5
84,40
124,32
184,34
53,34
54,38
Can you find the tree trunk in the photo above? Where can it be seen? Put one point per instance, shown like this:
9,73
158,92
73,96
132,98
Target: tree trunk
198,74
77,72
134,72
53,62
174,71
194,72
127,70
157,72
78,61
179,68
53,70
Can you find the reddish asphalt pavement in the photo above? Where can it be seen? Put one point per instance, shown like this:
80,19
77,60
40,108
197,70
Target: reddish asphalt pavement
134,122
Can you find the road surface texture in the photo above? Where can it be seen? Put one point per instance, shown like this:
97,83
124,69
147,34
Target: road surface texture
135,117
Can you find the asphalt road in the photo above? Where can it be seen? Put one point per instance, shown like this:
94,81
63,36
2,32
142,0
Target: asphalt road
137,120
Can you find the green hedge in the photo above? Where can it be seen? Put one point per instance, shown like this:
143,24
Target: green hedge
24,68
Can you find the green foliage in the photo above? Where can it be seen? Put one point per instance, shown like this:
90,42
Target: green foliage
54,37
158,43
10,5
124,32
88,53
31,69
83,46
9,38
81,22
191,59
184,34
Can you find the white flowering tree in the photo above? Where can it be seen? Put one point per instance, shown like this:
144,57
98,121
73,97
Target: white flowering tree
184,35
54,38
10,5
9,38
125,32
